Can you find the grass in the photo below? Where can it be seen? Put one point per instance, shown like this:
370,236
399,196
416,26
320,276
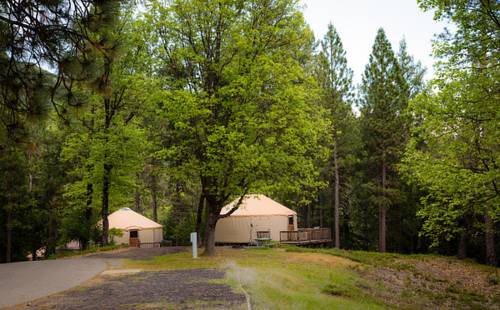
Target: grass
424,281
68,253
276,279
305,278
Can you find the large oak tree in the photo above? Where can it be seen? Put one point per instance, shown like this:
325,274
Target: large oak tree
235,96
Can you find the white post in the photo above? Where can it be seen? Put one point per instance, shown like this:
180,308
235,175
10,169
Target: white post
194,237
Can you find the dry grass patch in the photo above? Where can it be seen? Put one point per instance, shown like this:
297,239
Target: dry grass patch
423,281
321,259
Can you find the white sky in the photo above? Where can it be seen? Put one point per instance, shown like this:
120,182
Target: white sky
357,22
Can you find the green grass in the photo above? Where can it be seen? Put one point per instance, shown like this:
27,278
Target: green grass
364,257
303,278
276,279
95,249
444,282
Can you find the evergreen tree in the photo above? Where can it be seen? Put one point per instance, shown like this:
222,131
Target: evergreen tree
384,127
36,35
412,71
335,79
107,138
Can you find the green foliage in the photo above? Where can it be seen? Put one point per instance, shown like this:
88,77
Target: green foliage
336,95
384,96
454,151
382,103
115,232
236,103
179,108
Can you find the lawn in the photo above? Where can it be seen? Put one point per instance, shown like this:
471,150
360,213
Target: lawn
298,278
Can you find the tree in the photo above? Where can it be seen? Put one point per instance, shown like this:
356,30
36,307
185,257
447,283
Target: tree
39,42
454,150
335,79
236,101
114,85
412,71
383,100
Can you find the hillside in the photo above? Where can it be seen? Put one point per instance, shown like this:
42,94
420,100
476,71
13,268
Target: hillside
298,278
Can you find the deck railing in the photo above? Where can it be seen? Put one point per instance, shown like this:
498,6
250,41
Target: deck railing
306,234
264,234
149,245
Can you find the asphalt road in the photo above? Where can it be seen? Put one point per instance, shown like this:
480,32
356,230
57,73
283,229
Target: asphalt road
24,281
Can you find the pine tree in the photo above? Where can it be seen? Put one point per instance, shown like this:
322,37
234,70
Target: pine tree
335,79
412,71
35,35
383,99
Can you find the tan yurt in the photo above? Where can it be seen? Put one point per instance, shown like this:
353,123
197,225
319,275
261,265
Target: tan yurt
137,229
257,213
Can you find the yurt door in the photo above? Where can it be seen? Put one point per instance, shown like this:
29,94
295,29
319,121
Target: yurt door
291,226
134,238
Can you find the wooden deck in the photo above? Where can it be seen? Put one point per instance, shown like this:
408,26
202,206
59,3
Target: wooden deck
306,236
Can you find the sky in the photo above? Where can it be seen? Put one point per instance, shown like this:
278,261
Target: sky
357,22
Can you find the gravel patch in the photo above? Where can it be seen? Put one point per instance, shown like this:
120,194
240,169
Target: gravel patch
178,289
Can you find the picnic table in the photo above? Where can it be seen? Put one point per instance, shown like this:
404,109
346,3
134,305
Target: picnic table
263,238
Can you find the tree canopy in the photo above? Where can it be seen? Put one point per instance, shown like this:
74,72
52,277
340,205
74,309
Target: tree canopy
174,108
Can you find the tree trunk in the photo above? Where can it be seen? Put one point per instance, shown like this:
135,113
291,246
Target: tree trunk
337,198
462,246
52,233
8,236
154,204
105,202
137,201
212,218
308,215
84,241
489,238
382,212
30,182
321,217
199,215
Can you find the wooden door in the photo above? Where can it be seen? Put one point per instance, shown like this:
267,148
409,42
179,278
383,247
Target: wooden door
134,239
291,226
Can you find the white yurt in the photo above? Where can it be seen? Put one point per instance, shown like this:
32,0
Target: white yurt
137,229
257,213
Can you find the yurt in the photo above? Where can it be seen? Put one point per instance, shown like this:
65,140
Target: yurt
137,229
256,213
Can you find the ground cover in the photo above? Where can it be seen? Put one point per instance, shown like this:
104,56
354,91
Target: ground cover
287,278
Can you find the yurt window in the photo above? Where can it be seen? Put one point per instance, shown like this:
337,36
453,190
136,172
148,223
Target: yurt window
290,220
134,234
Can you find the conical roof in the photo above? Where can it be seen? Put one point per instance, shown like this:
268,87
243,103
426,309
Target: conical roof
257,204
125,218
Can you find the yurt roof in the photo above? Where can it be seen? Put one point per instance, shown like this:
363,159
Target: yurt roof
257,205
125,218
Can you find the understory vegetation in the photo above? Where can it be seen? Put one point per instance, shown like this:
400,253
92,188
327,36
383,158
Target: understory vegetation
174,108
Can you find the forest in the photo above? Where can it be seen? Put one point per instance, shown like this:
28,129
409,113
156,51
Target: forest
174,108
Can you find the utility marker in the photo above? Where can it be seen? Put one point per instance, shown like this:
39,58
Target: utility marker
194,242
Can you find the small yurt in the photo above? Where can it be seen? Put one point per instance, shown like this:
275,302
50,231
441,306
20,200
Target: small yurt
257,213
137,229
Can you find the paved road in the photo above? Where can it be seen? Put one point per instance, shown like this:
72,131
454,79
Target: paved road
25,281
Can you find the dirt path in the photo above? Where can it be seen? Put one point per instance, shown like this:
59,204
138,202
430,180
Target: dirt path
24,281
178,289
